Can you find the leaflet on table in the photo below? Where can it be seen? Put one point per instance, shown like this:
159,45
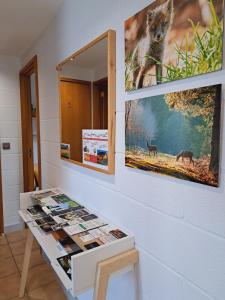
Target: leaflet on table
44,194
75,229
95,148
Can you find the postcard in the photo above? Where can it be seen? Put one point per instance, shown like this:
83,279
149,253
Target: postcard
118,233
67,243
89,217
107,238
41,195
96,233
93,224
65,263
70,246
74,229
59,235
85,237
36,211
45,220
106,229
48,201
65,150
46,227
91,245
68,218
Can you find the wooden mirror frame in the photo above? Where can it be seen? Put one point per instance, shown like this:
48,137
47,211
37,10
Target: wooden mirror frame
111,43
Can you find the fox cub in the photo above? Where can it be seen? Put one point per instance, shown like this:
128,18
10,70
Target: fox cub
150,47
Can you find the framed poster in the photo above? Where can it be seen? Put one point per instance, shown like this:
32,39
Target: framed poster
176,134
95,148
171,40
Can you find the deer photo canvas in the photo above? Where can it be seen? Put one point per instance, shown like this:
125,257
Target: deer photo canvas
176,134
171,40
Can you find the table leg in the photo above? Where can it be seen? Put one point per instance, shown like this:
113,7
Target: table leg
110,266
26,263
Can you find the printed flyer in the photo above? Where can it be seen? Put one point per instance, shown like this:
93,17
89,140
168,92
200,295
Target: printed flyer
95,148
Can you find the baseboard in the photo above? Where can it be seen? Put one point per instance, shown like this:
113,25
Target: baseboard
14,227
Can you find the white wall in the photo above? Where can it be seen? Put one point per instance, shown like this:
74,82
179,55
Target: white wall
179,226
10,132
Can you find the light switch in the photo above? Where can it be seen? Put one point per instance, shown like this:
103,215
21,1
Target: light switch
6,146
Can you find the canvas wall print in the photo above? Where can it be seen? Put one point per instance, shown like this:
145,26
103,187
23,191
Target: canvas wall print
176,134
171,40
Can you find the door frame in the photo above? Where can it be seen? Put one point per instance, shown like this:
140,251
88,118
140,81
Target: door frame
25,101
1,202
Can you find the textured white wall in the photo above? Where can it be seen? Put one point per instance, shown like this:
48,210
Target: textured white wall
10,132
179,226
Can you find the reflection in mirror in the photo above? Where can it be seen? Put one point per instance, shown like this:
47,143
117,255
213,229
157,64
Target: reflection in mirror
83,81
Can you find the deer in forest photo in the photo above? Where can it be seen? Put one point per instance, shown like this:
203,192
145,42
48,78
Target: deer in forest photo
186,154
152,149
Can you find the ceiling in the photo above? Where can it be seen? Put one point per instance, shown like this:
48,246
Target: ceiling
93,57
22,21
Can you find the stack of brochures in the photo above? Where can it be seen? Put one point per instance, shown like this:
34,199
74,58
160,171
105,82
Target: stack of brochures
73,226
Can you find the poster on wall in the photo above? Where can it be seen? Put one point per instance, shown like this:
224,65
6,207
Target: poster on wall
176,134
171,40
95,148
65,150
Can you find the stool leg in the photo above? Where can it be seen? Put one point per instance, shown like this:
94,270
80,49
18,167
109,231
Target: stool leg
109,266
26,263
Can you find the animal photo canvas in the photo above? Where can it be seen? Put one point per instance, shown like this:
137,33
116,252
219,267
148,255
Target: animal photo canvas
171,40
176,134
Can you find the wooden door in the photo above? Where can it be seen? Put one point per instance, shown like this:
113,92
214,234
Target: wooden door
27,140
75,114
1,202
26,121
100,104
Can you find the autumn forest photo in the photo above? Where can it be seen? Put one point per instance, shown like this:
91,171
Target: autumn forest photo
176,134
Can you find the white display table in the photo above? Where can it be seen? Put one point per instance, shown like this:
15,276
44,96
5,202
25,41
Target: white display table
90,269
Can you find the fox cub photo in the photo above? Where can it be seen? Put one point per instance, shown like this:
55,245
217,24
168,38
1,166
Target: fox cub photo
173,39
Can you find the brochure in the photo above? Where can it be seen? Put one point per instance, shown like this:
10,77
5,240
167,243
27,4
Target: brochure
65,263
36,211
92,245
85,237
118,233
95,147
107,238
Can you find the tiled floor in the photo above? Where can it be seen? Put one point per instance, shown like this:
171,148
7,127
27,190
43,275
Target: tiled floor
42,283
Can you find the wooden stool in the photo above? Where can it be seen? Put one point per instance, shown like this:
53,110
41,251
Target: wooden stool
109,266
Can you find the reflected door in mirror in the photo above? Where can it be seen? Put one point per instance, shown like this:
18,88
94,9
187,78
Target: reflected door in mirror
75,113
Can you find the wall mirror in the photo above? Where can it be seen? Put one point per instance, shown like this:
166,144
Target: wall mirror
87,105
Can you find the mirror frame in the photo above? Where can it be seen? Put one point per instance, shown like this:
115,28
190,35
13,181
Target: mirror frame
111,39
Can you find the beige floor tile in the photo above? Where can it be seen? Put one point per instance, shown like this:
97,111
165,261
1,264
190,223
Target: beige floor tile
39,276
8,267
16,236
48,292
3,240
36,259
5,252
18,248
9,287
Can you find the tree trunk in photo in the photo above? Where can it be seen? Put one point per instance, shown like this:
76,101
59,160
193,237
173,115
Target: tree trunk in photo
215,143
127,113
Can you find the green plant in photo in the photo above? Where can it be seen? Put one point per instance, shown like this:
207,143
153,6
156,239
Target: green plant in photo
204,55
130,67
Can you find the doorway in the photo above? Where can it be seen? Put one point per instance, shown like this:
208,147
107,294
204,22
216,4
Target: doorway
30,120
